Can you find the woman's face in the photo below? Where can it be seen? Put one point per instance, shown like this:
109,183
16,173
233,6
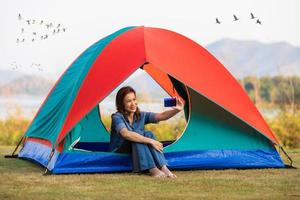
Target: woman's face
130,103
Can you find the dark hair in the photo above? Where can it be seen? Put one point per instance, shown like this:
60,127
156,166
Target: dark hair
120,101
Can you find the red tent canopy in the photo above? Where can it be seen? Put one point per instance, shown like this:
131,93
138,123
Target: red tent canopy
168,53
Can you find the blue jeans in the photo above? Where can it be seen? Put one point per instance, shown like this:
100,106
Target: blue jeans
144,156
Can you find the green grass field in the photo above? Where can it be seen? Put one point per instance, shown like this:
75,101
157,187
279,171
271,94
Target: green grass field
24,180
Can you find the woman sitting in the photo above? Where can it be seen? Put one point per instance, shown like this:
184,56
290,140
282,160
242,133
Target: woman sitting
128,134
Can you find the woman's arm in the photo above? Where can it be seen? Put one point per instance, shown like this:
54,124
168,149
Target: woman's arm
170,113
135,137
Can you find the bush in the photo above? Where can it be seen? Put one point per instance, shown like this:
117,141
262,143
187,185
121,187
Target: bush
13,127
287,127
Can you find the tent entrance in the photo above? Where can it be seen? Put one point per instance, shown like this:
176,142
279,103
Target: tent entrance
92,133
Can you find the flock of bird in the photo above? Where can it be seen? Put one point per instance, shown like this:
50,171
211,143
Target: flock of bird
51,29
235,18
33,30
16,66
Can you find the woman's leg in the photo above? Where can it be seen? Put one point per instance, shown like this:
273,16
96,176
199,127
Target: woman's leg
159,157
142,159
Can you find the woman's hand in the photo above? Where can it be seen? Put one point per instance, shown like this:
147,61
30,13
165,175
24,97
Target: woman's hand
179,105
157,145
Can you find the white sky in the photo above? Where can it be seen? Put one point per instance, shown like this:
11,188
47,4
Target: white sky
87,21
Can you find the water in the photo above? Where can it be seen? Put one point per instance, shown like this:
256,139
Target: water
29,105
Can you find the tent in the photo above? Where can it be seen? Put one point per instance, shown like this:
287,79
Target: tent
224,128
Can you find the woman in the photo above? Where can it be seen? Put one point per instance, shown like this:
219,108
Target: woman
128,134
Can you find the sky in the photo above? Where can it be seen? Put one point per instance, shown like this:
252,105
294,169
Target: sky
87,21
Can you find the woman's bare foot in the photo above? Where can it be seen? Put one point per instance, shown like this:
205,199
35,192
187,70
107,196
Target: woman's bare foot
167,172
155,172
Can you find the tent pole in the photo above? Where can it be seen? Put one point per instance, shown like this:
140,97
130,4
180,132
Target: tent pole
49,159
289,158
13,153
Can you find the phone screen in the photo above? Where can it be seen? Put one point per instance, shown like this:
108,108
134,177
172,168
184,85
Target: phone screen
169,102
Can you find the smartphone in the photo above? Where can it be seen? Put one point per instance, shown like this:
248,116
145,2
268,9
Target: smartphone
169,102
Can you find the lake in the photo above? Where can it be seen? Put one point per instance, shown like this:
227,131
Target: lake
29,105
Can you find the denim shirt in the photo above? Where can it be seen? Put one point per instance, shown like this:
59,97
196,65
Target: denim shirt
119,122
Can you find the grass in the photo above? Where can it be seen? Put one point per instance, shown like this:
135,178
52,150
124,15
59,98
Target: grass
24,180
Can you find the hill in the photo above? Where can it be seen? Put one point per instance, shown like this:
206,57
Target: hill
246,58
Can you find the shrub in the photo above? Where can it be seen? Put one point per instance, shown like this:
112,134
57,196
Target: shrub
287,127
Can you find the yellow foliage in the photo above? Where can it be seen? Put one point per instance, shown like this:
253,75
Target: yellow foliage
287,127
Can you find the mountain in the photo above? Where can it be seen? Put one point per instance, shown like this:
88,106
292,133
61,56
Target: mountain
245,58
8,75
242,58
26,85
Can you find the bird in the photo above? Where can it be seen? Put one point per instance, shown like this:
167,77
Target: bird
53,31
19,17
41,22
18,40
28,21
58,26
252,16
33,21
32,39
235,18
258,21
34,33
217,21
23,40
48,26
22,30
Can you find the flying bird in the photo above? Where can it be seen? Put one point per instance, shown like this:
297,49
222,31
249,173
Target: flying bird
217,21
258,21
235,18
252,16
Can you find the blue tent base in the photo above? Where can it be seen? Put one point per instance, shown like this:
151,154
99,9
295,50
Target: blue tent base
101,162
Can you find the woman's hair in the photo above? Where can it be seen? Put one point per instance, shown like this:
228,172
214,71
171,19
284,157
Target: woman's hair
120,101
